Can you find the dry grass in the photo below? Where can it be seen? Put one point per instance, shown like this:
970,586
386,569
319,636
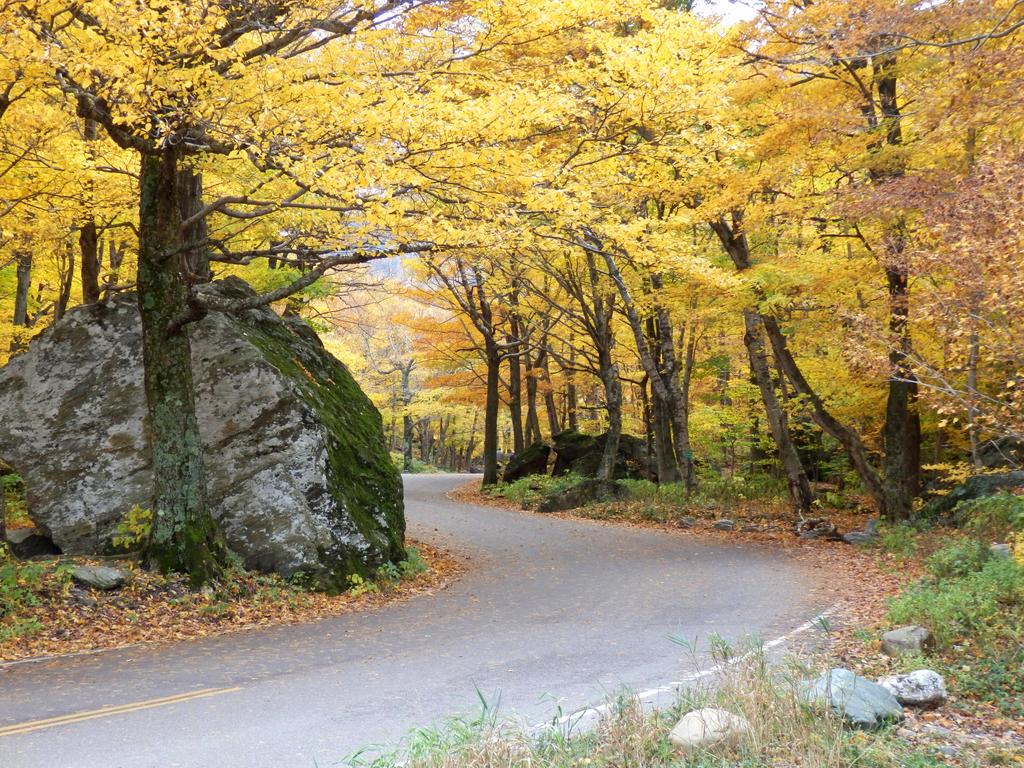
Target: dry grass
785,732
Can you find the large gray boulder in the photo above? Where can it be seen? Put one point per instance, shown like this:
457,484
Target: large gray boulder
298,475
532,460
581,454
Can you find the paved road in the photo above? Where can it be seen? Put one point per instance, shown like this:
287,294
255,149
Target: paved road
551,612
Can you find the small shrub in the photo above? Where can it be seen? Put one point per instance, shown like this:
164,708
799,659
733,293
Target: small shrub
416,468
134,530
20,628
389,572
993,517
15,507
641,490
358,586
19,584
413,565
531,489
23,587
958,559
898,539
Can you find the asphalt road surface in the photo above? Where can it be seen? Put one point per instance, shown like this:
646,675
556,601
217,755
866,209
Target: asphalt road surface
551,615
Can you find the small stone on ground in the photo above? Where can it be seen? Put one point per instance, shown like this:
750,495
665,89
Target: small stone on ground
99,577
909,639
920,688
704,728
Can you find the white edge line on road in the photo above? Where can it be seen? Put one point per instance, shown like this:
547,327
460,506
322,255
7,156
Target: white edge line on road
587,718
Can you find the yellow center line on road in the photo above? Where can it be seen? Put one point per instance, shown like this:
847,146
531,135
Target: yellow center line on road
78,717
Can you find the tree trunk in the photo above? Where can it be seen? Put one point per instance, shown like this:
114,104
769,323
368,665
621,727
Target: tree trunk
89,248
440,445
66,278
660,411
902,429
533,433
850,440
549,396
901,432
22,290
471,443
657,356
195,236
613,404
796,477
571,401
973,355
678,402
690,476
661,437
88,236
515,392
491,414
407,440
647,417
185,536
734,241
407,423
426,439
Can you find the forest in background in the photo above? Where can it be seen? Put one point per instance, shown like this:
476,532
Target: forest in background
788,244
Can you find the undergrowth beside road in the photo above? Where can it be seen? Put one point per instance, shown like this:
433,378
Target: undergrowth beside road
663,502
973,602
784,731
42,612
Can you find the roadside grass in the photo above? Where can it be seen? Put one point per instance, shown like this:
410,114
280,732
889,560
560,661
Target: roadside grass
24,587
785,731
760,496
531,490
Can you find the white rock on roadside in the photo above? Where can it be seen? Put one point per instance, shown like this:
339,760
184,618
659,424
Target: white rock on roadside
704,728
920,688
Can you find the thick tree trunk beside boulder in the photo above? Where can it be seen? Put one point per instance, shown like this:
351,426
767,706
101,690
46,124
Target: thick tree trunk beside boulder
298,475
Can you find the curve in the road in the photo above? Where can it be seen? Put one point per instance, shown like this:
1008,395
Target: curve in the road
552,614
